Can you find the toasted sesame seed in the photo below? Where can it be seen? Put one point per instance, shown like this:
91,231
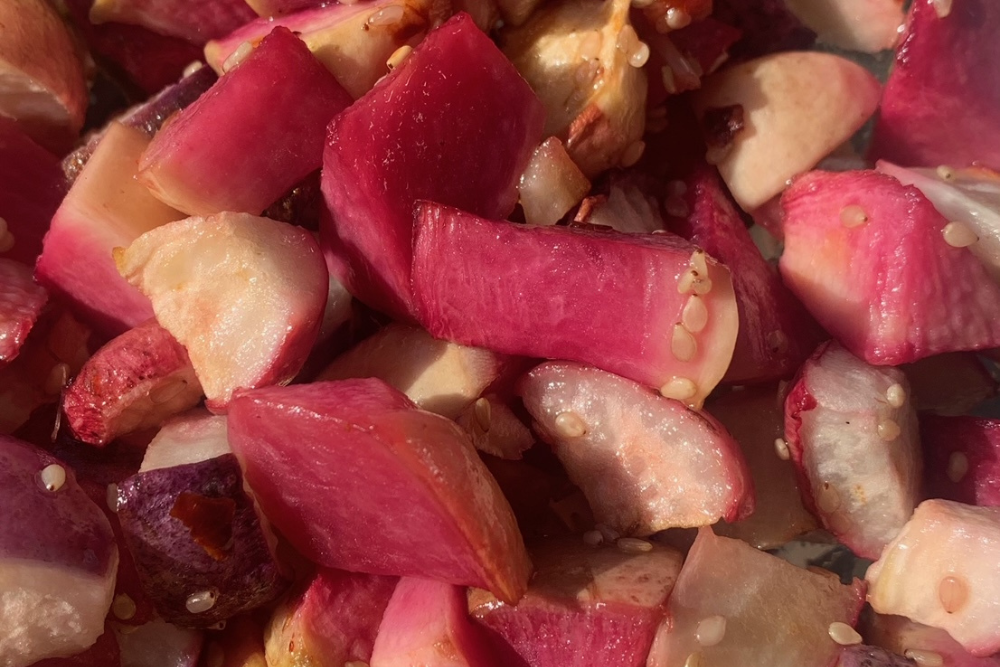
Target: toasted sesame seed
781,447
953,594
568,424
386,15
853,216
685,284
682,344
843,634
633,545
711,630
945,173
202,601
942,8
895,395
111,497
958,466
237,56
694,316
123,607
827,500
699,263
53,477
677,18
633,153
702,286
679,389
888,430
593,538
959,235
693,660
398,56
639,56
777,341
192,67
483,412
924,658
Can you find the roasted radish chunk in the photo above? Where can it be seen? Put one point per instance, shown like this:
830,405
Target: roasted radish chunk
653,308
883,271
646,463
201,552
134,382
193,20
851,430
356,477
243,294
941,571
452,101
21,302
267,119
495,429
586,605
733,604
962,457
57,559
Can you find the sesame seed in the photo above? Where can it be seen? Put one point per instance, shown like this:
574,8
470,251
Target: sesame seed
853,216
483,412
568,424
677,18
777,341
959,235
237,57
53,477
609,533
633,153
693,660
627,39
702,286
593,538
888,430
634,545
699,263
924,658
843,634
895,395
386,15
953,594
711,630
639,56
694,316
111,497
685,284
202,601
123,607
781,447
192,67
828,500
942,8
958,466
679,389
398,56
945,173
57,379
682,344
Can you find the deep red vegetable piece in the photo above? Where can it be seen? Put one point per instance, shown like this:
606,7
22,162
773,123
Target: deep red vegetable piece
197,21
21,302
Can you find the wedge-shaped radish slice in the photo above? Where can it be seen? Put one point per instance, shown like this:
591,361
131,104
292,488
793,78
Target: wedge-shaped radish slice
852,432
551,185
426,623
201,553
104,209
267,118
794,109
57,559
949,384
453,100
962,457
243,294
878,266
329,460
332,619
653,308
193,437
904,637
159,643
869,25
21,302
586,605
134,382
193,20
584,60
941,571
755,419
776,334
646,463
945,69
733,604
46,96
495,429
437,375
353,41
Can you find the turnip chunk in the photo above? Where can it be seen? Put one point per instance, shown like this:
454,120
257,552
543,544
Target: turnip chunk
586,605
865,25
881,270
332,620
21,302
426,623
452,101
267,118
755,419
943,95
329,461
104,209
646,463
495,429
900,634
851,431
353,41
134,382
941,570
438,376
243,294
159,644
551,185
46,96
733,605
198,545
193,437
194,20
652,308
963,459
792,110
57,559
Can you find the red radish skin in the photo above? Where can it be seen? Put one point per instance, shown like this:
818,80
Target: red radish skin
326,459
869,259
646,463
21,302
963,459
242,169
652,308
193,20
451,101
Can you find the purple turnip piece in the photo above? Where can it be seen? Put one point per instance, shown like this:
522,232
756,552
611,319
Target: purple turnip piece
646,463
945,70
329,461
194,20
426,623
962,456
333,619
941,570
58,559
106,208
159,644
733,604
132,383
452,101
585,606
267,117
21,302
851,431
652,308
197,542
495,428
904,637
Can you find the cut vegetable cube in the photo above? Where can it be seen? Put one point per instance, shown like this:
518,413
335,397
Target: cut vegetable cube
327,460
652,308
646,463
452,101
194,20
733,604
962,457
21,302
267,120
873,261
243,294
851,431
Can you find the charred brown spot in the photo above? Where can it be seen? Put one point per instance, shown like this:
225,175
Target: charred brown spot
721,125
209,520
